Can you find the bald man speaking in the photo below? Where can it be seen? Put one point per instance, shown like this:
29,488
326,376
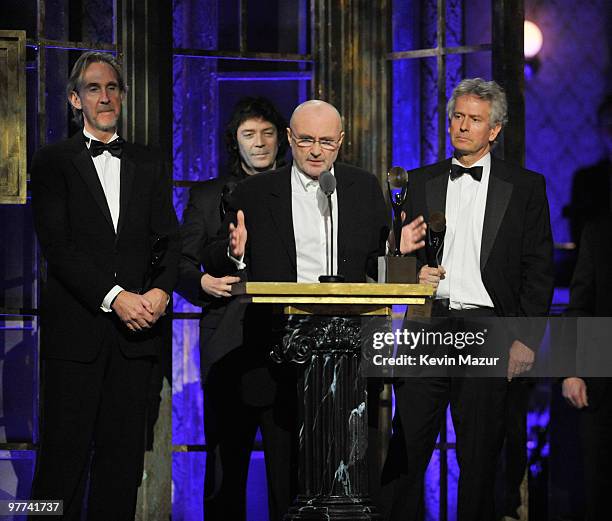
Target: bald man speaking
287,217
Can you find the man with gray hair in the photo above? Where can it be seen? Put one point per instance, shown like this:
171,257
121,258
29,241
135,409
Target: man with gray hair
104,219
496,262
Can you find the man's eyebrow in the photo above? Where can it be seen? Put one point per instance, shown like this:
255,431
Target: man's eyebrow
271,127
308,136
112,83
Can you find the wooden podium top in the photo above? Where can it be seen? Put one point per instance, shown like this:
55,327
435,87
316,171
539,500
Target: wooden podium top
333,298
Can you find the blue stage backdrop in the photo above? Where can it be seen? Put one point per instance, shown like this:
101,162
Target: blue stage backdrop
562,95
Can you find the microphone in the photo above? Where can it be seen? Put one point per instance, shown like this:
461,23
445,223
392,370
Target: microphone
327,184
434,247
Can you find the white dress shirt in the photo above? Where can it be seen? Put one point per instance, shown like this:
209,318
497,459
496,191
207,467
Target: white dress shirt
466,200
311,227
108,168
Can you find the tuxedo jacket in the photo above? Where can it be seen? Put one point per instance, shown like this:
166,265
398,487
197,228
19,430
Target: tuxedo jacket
590,196
86,258
591,289
516,261
270,256
270,253
221,322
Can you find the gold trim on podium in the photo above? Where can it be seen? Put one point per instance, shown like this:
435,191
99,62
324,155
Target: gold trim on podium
298,298
322,289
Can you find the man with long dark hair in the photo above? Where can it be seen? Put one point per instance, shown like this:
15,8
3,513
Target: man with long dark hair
256,142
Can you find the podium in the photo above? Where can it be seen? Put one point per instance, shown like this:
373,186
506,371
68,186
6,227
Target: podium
323,333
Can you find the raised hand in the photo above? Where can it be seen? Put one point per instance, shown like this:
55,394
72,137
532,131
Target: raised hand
237,236
412,234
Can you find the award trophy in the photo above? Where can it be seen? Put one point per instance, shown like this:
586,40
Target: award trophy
395,267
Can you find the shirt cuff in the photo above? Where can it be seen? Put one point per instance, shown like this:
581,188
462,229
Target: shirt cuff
108,300
240,265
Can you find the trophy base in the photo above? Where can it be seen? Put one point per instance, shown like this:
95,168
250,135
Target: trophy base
398,270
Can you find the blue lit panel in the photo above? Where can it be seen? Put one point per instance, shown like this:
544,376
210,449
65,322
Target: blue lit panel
406,87
16,473
188,486
187,397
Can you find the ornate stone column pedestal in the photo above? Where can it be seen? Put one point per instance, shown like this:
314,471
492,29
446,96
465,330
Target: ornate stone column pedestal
333,431
323,332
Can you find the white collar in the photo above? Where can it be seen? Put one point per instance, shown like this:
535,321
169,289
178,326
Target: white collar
484,161
306,181
89,137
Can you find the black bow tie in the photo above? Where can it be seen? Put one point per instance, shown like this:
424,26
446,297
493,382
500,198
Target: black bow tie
458,171
114,147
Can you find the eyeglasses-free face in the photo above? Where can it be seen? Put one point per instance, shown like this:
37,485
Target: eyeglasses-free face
99,97
257,144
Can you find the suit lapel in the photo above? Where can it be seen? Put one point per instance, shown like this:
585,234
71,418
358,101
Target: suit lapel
280,210
498,197
346,200
85,166
435,189
128,173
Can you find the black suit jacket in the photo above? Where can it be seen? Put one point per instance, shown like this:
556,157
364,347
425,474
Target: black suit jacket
221,322
85,258
270,256
271,252
516,261
591,291
590,196
591,286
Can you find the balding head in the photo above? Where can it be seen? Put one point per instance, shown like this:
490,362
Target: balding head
316,108
315,133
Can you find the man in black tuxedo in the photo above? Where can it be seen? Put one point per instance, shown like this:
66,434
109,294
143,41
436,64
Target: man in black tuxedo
256,142
590,297
496,261
591,186
107,229
288,229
